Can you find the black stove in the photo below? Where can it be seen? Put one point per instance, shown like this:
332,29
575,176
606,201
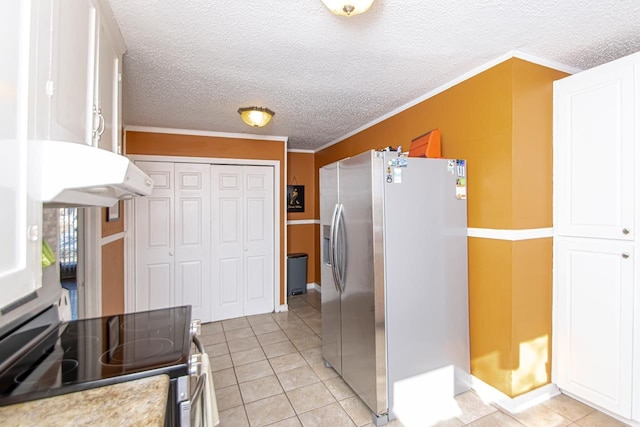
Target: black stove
88,353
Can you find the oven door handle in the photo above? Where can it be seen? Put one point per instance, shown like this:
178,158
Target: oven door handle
197,398
198,344
194,408
189,408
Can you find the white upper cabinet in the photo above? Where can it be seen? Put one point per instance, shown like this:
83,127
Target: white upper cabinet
594,139
107,92
54,53
21,214
71,83
83,82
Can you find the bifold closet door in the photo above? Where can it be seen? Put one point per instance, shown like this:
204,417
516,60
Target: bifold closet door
242,240
173,247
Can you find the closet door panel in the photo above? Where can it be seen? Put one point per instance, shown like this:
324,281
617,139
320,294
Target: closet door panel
193,238
227,250
154,237
259,240
158,289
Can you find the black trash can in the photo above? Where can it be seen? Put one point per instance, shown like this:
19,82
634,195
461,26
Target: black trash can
297,274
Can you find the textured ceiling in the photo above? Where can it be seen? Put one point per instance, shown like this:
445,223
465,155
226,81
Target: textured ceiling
191,64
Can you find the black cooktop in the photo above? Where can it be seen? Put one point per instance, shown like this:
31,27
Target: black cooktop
89,353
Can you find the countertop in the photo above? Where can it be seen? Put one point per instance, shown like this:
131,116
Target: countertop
134,403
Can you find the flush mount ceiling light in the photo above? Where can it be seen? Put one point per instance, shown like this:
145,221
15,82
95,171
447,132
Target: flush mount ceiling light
347,7
256,116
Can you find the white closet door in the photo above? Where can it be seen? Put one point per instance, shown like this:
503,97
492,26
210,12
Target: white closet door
227,241
242,240
193,238
154,228
258,240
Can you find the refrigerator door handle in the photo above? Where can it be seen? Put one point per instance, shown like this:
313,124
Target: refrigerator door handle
332,248
341,253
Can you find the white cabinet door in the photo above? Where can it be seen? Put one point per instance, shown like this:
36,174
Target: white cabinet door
154,229
594,321
73,71
84,78
594,140
193,238
21,215
242,240
107,93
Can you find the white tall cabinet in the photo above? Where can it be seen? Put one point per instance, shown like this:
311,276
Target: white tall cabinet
596,283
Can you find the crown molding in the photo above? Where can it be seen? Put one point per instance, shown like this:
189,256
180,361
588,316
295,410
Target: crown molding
172,131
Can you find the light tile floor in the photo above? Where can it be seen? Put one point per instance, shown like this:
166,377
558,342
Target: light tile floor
268,371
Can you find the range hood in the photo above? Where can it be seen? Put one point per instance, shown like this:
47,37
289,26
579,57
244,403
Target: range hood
80,175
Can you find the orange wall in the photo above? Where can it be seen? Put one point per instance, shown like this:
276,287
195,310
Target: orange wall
113,265
475,122
532,148
303,237
113,278
110,228
500,121
216,147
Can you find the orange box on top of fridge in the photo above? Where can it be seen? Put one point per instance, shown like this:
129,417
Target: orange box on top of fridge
427,145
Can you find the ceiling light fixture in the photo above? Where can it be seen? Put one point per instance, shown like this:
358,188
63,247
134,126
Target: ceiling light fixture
347,7
256,116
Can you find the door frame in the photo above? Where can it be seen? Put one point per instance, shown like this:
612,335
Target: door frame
90,278
129,291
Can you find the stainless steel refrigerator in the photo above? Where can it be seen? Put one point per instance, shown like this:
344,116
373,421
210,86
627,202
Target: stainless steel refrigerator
394,279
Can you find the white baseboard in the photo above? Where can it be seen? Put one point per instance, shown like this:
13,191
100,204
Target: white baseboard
314,286
513,404
283,307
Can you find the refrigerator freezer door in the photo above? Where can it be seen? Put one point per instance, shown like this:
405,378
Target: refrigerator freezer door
331,323
362,305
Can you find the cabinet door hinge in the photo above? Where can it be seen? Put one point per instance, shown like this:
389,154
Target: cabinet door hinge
49,88
119,77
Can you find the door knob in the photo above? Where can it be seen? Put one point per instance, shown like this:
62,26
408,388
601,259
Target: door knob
170,253
625,255
625,231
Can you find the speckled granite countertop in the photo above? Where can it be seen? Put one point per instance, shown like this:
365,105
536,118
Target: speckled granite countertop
134,403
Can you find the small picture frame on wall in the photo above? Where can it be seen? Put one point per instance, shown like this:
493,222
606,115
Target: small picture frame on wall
113,212
295,198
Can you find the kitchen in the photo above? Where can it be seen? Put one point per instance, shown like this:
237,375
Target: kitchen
494,117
